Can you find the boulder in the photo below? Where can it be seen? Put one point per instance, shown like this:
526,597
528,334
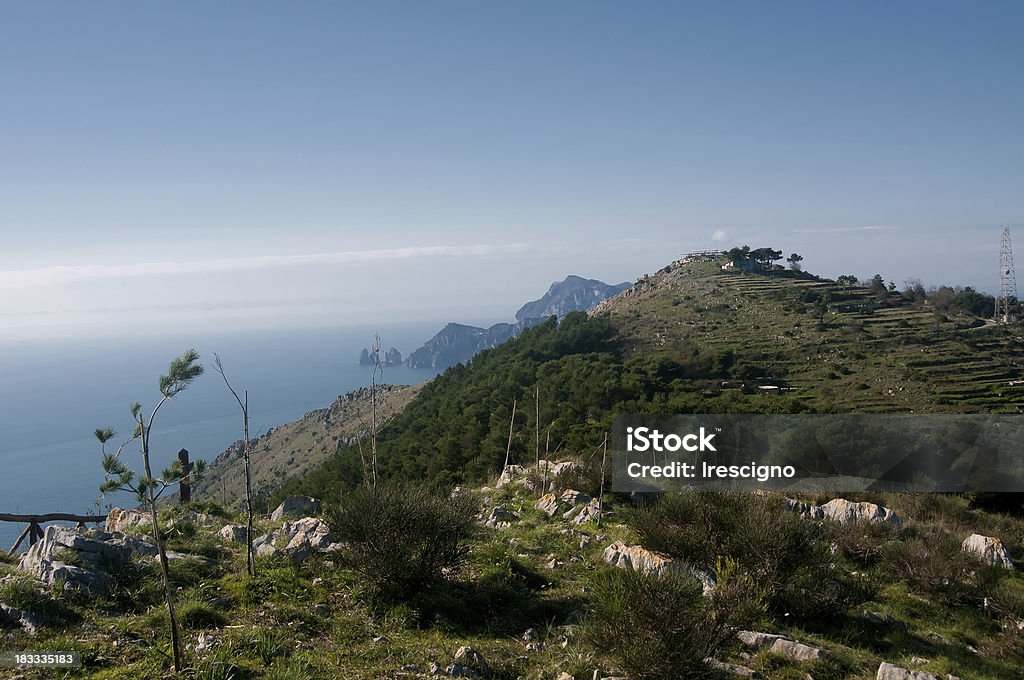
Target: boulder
805,509
233,533
296,506
574,498
469,657
500,517
781,645
173,556
624,556
637,558
15,618
94,552
989,550
733,669
548,504
125,520
310,532
887,671
846,512
566,466
509,474
263,546
588,513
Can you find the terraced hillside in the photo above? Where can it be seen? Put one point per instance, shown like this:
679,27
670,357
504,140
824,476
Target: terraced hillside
859,351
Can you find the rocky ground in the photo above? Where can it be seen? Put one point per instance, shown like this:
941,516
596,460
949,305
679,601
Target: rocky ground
516,610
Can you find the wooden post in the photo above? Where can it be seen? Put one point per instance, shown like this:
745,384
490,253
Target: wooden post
35,532
600,502
20,539
185,488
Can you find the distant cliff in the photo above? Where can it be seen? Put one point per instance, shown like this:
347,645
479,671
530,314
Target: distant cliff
574,294
457,343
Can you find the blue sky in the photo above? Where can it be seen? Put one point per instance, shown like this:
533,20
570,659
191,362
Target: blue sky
252,164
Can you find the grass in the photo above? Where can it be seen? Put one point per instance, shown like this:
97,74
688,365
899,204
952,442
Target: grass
929,365
314,621
317,621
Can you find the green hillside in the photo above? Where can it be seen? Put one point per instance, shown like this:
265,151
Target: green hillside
693,338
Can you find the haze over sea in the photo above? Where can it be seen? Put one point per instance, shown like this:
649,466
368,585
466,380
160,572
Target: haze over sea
54,393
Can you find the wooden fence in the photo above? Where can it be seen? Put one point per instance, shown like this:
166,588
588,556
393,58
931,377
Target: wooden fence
35,532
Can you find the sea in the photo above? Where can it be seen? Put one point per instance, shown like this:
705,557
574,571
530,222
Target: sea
54,393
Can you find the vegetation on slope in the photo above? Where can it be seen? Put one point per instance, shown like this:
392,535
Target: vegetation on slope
693,338
292,449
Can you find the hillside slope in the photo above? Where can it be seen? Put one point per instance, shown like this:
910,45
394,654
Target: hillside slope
292,449
693,338
872,352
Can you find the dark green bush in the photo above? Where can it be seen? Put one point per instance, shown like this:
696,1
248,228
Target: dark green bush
932,564
400,538
782,552
860,542
664,627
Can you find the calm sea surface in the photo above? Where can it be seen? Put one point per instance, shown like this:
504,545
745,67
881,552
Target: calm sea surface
53,394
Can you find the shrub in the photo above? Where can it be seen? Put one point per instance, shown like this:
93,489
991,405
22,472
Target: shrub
782,552
585,476
664,627
860,542
400,538
932,564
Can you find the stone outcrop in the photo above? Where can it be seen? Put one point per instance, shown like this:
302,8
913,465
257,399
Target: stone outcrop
624,556
805,509
126,520
295,507
95,555
11,617
887,671
781,645
500,517
989,550
733,669
552,503
471,658
300,538
846,512
265,545
233,533
548,504
309,531
510,474
588,513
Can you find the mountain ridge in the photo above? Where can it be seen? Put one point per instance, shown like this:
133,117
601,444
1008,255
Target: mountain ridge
458,343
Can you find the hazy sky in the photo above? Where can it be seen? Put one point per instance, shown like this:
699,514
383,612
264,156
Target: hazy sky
201,165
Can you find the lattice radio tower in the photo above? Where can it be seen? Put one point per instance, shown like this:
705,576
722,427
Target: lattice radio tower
1007,279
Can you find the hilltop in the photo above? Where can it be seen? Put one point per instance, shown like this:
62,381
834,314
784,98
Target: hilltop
837,347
